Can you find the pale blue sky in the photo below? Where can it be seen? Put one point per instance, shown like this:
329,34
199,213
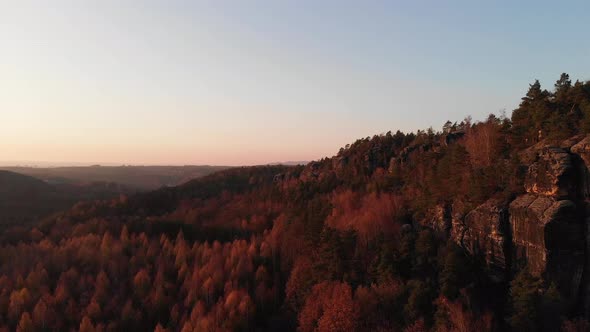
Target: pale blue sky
249,82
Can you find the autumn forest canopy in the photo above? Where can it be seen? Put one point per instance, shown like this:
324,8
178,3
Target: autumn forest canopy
479,226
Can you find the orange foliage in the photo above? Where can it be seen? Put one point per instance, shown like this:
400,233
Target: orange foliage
482,142
299,282
25,324
461,319
369,215
329,307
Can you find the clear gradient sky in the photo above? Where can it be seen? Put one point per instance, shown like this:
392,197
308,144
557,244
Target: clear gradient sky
251,82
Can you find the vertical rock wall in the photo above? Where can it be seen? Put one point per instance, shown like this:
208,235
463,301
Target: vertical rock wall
548,223
582,151
484,232
546,229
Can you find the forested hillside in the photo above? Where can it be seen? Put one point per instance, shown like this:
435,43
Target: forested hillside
482,226
24,199
137,177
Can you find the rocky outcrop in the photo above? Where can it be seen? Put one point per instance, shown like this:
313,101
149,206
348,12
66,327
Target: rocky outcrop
552,174
548,224
311,171
542,228
484,232
582,151
405,154
582,148
438,219
546,229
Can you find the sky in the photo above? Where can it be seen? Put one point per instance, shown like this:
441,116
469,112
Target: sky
254,82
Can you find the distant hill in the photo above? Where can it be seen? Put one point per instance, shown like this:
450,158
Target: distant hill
14,184
20,196
291,162
137,177
28,194
24,199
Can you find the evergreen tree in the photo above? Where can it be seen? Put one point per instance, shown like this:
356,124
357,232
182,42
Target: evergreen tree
385,265
552,309
420,299
524,297
453,272
563,85
425,254
529,118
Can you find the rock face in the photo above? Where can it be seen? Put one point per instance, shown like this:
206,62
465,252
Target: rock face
438,219
547,229
484,232
548,224
549,238
552,174
582,150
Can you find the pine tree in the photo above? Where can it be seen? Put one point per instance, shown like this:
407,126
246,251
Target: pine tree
562,85
529,118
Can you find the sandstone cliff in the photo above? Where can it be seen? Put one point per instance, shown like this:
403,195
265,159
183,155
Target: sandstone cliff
548,222
484,232
545,229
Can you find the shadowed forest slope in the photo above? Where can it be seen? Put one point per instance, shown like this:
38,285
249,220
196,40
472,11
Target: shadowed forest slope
138,177
24,199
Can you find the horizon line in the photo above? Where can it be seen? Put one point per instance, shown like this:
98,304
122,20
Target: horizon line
59,164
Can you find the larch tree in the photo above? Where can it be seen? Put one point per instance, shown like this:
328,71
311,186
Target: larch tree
86,325
25,323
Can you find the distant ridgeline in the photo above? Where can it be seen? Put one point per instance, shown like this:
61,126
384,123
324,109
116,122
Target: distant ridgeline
136,177
482,226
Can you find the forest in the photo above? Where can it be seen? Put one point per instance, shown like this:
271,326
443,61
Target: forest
396,232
